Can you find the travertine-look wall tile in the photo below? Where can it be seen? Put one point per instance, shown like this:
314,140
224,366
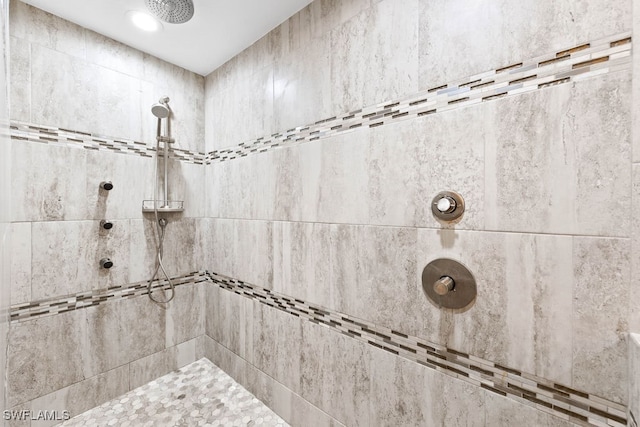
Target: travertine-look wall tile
373,276
314,363
539,276
347,381
342,195
111,54
277,345
66,257
288,405
400,391
559,161
450,152
186,314
288,188
600,316
20,87
212,197
115,111
236,367
302,260
155,365
244,249
57,195
151,367
635,87
335,374
82,396
374,56
232,122
185,183
82,96
308,178
42,28
229,321
142,248
303,85
20,262
45,355
598,121
113,340
394,174
503,412
518,276
634,375
179,245
132,179
304,413
475,32
247,188
457,403
98,85
186,352
634,313
273,394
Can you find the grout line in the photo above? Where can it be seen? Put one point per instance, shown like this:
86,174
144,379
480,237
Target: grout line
433,228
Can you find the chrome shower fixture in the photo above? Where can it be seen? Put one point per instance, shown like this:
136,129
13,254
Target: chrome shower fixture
171,11
161,110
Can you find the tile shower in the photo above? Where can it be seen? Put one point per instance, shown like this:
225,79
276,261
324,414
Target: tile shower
307,164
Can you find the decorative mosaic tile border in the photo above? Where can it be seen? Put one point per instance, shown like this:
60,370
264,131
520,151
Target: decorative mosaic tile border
565,402
58,305
579,62
573,405
21,131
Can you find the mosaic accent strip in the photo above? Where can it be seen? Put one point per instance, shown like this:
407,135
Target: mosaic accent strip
200,394
579,62
576,63
565,402
21,131
58,305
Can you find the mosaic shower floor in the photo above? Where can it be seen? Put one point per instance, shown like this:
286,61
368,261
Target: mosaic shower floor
200,394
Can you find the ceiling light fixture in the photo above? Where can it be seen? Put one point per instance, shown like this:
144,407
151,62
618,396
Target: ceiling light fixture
144,21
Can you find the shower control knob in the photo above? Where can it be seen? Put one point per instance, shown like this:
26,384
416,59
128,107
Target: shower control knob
446,204
107,225
443,285
106,263
106,185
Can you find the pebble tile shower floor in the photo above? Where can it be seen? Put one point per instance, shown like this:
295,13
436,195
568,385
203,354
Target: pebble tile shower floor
200,394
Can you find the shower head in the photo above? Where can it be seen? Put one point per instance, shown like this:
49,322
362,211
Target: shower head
161,110
171,11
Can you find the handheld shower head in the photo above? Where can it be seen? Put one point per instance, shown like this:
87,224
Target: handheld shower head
161,110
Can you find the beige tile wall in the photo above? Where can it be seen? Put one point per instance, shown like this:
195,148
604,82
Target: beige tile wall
6,233
547,177
66,76
343,222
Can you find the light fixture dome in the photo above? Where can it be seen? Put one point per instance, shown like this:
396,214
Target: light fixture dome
144,21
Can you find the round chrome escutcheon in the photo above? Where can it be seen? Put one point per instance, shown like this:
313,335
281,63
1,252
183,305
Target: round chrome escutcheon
448,283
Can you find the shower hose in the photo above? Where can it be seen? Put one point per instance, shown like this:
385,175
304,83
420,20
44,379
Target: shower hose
161,224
